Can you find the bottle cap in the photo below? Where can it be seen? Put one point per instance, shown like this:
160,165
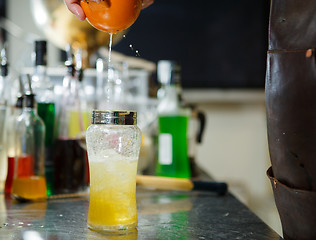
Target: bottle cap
41,53
4,70
70,68
19,102
69,63
29,100
114,117
4,63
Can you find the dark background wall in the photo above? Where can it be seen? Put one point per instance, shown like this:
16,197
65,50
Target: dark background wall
2,14
220,44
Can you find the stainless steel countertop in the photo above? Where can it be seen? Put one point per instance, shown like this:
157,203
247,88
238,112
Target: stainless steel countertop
161,215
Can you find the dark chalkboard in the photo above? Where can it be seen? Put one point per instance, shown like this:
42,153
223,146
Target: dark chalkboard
2,14
220,44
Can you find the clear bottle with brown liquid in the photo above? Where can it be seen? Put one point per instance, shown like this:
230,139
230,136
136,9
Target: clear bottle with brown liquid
70,157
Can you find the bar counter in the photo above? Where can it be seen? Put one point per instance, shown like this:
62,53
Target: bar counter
161,215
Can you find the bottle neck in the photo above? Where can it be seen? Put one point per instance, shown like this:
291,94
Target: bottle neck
29,103
4,70
2,86
42,86
40,53
40,71
172,92
169,104
40,79
29,111
69,78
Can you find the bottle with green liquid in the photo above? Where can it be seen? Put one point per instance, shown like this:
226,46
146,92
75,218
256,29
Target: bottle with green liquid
173,121
44,90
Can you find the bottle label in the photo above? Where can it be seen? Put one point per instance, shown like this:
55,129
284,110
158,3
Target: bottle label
165,149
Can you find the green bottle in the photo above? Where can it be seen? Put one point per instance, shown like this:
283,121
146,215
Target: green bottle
173,121
44,90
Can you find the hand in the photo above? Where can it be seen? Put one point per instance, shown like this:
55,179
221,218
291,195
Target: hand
146,3
75,8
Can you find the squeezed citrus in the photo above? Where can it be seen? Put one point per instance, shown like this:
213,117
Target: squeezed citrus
111,15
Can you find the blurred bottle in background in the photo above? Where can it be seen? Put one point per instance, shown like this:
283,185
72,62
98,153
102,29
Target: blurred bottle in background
11,92
77,125
70,155
29,173
3,115
11,135
44,91
112,92
172,124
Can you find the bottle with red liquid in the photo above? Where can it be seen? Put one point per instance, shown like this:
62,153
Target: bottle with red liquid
70,153
29,181
3,113
8,96
17,111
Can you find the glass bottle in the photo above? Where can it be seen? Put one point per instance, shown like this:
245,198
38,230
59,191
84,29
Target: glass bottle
14,109
111,91
86,106
11,90
78,124
3,115
44,91
70,153
173,120
11,134
29,181
113,144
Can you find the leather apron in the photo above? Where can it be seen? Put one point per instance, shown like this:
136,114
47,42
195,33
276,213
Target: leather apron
291,114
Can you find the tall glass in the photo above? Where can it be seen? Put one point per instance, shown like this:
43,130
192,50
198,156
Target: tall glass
113,144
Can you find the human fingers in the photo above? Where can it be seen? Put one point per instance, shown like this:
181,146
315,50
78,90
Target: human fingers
146,3
75,8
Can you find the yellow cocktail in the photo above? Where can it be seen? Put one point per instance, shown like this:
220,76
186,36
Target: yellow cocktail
113,144
112,193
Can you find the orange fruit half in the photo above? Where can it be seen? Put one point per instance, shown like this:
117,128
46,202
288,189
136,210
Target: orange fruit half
111,15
